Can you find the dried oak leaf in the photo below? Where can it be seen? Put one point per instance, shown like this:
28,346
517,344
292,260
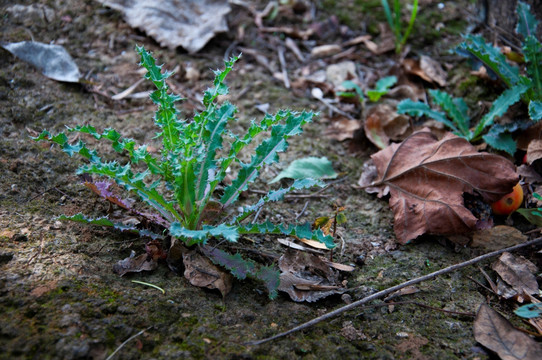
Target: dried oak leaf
497,334
427,178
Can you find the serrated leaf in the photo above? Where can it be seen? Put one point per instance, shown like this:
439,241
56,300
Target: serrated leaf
301,231
266,153
309,167
276,195
412,108
526,21
239,267
191,237
104,221
382,87
491,57
455,108
499,138
499,107
535,110
271,279
529,311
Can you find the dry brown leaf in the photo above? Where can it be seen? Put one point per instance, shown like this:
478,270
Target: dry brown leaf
427,69
528,135
384,124
534,151
498,237
200,271
143,262
497,334
518,273
427,178
529,175
195,22
306,277
342,129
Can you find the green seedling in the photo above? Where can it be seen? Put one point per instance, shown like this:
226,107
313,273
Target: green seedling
382,87
533,215
530,84
395,23
181,183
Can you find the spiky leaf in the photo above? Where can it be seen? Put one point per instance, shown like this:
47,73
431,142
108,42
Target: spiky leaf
104,221
412,108
499,107
491,57
302,231
191,237
535,110
455,108
526,21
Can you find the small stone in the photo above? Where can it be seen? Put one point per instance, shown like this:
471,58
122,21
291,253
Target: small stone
57,225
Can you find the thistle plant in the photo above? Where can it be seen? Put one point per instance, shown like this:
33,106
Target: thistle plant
181,184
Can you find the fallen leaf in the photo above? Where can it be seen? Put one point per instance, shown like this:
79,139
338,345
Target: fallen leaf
339,73
306,277
132,263
518,272
190,24
384,124
534,151
342,129
498,237
52,60
496,333
309,167
427,178
427,69
200,271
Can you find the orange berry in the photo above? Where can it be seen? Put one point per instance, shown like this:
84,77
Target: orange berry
509,203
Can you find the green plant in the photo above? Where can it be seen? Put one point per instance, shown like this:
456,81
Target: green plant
394,20
520,87
456,117
181,184
533,215
529,85
382,87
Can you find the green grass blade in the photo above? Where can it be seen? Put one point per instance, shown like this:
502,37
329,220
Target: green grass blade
410,23
532,49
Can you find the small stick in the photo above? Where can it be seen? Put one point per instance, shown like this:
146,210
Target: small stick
393,289
125,342
283,67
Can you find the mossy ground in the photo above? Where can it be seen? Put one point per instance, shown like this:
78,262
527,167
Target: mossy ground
58,296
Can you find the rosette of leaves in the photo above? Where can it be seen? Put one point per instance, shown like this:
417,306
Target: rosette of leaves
181,184
527,87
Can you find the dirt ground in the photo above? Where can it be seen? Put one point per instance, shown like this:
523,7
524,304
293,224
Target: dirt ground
59,298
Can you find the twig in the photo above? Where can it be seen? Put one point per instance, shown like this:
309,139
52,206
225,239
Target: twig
125,342
302,210
418,304
282,61
393,289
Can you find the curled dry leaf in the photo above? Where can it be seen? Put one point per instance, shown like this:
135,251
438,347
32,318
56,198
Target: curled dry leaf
427,178
518,273
306,277
384,124
200,271
132,263
497,334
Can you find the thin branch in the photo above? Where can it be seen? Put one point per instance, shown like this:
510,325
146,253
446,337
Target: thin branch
393,289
